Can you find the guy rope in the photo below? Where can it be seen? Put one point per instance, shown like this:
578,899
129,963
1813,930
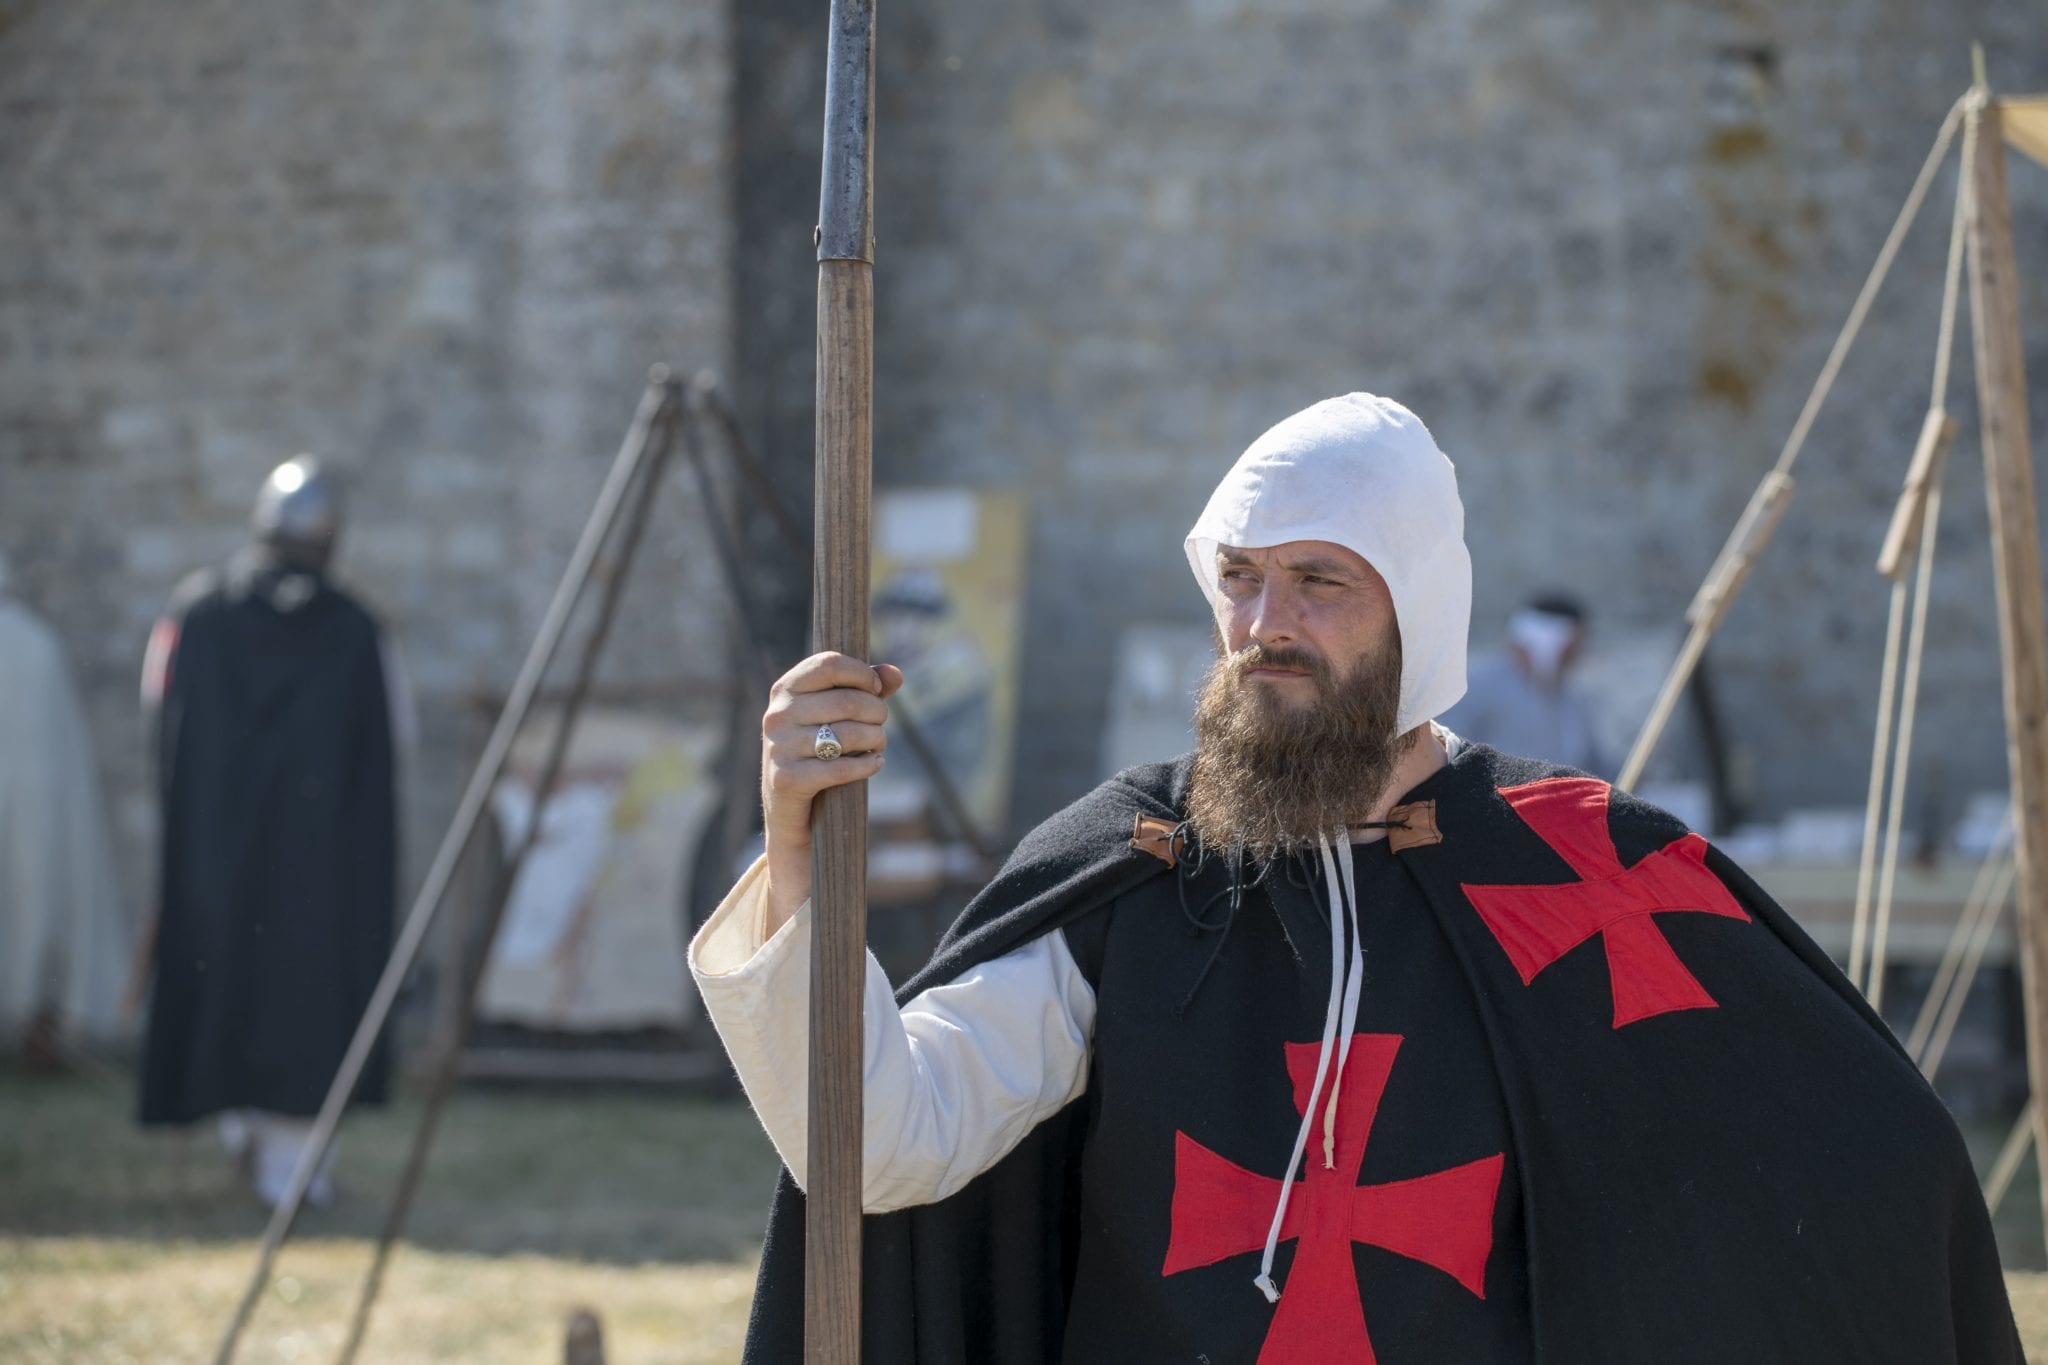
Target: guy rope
1981,238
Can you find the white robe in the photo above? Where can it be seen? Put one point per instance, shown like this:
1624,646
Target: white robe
65,936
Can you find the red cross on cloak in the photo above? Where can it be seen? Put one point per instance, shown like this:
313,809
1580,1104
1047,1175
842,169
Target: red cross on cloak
1220,1209
1537,925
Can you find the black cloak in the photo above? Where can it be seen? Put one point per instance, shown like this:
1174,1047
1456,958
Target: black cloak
279,845
1724,1154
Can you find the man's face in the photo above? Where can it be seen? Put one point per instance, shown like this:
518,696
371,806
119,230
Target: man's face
1307,597
1295,723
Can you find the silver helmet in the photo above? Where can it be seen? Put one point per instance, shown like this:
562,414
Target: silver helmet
298,513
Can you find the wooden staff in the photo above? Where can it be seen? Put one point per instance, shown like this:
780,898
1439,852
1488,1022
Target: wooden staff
2016,556
839,621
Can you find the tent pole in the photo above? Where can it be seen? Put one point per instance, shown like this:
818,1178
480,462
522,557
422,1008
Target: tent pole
2016,555
468,813
448,1065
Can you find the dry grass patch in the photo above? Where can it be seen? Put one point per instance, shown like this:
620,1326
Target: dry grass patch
2030,1306
94,1301
118,1245
88,1301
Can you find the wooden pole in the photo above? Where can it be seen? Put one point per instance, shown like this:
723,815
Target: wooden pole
1717,593
470,980
839,621
2016,554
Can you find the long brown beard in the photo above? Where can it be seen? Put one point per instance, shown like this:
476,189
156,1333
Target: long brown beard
1270,777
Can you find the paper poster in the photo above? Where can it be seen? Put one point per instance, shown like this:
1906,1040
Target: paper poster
947,609
594,935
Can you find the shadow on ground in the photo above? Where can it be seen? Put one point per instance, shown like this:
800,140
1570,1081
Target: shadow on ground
606,1176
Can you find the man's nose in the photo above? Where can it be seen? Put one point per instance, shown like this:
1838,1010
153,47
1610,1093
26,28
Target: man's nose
1274,620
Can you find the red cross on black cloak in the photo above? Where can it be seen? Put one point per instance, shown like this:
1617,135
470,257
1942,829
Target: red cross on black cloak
1220,1209
1537,925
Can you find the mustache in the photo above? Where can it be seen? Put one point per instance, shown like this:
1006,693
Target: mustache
1256,655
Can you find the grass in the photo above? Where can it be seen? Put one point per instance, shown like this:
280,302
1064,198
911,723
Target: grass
98,1301
120,1246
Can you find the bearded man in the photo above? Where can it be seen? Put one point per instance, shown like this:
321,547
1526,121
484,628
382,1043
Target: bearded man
1342,1040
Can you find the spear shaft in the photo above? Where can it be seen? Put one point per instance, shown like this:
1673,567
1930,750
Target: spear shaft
839,621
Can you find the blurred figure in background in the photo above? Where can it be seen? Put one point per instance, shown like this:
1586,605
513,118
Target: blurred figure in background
1522,701
64,936
272,699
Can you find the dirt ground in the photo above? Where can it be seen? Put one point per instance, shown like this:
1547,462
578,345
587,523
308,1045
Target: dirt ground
119,1247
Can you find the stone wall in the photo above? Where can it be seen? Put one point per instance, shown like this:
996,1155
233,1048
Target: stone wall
440,244
1601,248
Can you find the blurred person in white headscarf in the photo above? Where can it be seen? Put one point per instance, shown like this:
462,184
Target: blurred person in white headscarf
64,931
1523,700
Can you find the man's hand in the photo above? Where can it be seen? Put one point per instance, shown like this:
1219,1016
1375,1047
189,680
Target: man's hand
825,689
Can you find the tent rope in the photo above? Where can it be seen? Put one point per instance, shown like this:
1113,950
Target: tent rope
2017,1143
1977,903
1873,805
1929,518
1966,977
1704,627
1902,756
1885,256
1870,287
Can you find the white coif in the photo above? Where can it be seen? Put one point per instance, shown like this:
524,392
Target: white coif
1360,471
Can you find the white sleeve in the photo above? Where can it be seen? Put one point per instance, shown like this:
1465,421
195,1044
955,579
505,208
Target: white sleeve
953,1081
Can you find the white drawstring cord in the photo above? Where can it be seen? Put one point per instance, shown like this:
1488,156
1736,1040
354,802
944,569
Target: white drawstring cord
1347,977
1354,982
1308,1111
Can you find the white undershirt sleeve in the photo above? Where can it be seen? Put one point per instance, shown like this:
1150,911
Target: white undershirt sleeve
954,1080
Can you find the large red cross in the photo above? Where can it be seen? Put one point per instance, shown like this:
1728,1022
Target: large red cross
1539,924
1220,1209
